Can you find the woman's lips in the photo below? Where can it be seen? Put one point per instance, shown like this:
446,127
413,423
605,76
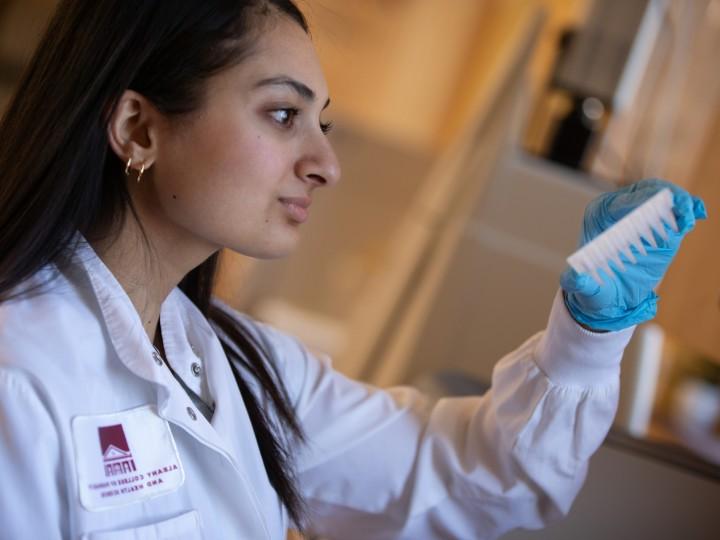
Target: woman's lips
297,207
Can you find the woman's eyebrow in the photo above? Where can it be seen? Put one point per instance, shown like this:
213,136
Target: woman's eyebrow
282,80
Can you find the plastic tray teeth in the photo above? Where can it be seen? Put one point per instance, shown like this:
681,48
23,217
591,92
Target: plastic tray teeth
642,223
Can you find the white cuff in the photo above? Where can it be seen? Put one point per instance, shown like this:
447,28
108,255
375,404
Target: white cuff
570,355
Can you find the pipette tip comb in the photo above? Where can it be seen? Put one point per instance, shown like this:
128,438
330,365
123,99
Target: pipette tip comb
627,233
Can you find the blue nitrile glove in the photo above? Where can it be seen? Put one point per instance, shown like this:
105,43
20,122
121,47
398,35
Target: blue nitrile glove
627,298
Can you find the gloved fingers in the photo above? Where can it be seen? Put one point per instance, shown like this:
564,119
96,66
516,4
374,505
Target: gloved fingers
609,208
687,210
699,208
573,282
621,202
666,239
616,205
606,210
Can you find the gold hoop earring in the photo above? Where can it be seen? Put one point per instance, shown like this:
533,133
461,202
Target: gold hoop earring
142,170
127,167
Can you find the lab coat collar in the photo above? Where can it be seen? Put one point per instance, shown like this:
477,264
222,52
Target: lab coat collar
230,430
135,350
123,323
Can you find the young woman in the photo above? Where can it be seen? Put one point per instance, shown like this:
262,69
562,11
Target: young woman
147,135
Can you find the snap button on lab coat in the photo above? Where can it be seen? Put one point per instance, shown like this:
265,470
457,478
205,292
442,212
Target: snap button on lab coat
157,358
196,369
191,413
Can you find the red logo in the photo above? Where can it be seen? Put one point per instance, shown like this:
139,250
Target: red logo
115,450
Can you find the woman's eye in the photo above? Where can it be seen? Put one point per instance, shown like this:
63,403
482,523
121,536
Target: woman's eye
284,117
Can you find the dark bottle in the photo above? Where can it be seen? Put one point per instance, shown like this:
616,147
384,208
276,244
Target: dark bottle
575,132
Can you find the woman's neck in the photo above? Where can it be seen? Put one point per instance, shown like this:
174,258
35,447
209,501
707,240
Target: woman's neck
148,267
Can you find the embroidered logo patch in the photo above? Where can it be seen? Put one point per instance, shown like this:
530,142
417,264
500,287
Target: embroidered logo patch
115,450
124,457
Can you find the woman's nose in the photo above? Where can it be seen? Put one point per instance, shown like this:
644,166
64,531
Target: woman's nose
319,165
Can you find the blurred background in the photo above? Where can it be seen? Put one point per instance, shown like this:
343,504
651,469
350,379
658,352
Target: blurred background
472,133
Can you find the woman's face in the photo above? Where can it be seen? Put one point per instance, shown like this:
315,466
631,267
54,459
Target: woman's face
242,170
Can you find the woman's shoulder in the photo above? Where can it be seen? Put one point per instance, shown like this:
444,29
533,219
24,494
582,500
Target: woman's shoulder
41,314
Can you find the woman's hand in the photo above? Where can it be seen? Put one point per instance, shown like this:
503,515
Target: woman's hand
627,298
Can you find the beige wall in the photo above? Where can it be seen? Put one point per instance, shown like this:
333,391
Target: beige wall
689,308
407,71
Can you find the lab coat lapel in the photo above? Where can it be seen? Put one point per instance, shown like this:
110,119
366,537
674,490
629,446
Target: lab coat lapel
230,420
233,424
231,430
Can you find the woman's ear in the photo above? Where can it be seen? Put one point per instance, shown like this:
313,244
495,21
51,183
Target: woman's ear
132,130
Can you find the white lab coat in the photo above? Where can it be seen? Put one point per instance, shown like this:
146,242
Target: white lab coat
75,363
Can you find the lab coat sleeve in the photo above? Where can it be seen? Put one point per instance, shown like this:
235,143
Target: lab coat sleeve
30,496
389,464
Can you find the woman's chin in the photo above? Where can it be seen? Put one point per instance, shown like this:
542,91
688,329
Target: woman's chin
276,249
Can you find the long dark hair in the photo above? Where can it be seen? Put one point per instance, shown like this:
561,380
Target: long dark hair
59,176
